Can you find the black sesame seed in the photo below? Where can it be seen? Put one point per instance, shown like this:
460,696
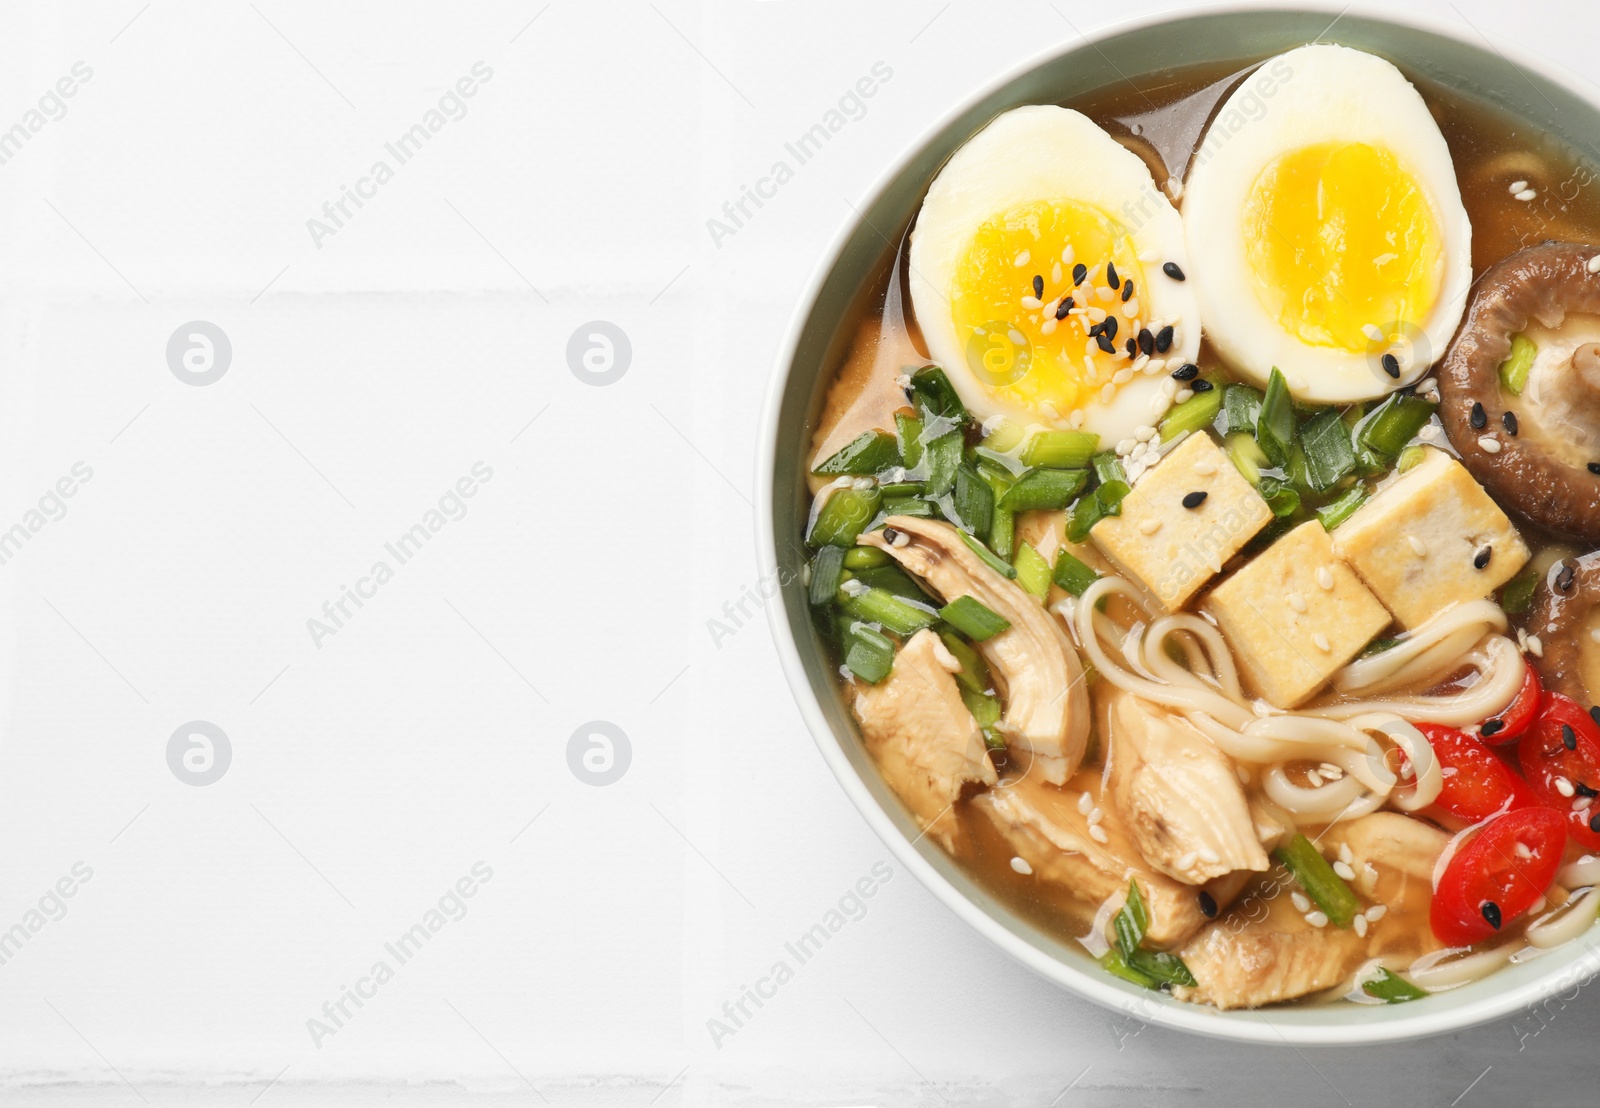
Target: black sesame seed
1481,558
1111,275
1194,499
1079,272
1594,714
1208,903
1492,727
1594,467
1569,737
1064,307
1491,913
1172,269
1132,346
1109,327
1147,341
1202,386
1094,332
1564,578
1509,419
1594,822
1164,340
890,534
1038,286
1127,290
1105,344
1391,366
1584,790
1477,419
1188,371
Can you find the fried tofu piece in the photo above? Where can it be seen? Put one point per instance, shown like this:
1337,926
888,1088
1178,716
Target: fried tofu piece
1294,615
1417,543
1172,550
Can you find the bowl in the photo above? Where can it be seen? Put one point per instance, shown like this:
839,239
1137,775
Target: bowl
1451,54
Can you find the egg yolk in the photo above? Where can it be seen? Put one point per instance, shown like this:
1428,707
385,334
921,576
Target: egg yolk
1007,293
1340,239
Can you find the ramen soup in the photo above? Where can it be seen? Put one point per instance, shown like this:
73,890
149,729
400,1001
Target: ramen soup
1206,517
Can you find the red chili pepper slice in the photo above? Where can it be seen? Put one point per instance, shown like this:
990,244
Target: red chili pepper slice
1498,875
1477,784
1560,757
1511,724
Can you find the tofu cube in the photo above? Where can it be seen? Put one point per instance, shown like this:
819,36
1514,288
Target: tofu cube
1294,615
1172,550
1417,543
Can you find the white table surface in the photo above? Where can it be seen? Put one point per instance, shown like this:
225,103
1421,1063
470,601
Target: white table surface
374,766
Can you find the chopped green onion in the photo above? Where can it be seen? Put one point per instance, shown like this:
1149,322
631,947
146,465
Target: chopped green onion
1193,414
1378,646
1033,572
1410,458
1117,965
1389,429
941,457
999,565
985,709
1091,509
1329,456
1003,533
1147,968
1006,467
908,506
1515,369
1282,498
1517,596
1275,423
1071,574
825,570
893,579
883,607
1246,454
1131,921
1163,966
871,452
1341,508
867,654
901,488
1242,405
973,619
974,672
1060,449
973,502
1326,888
1108,467
845,515
865,557
908,429
1391,988
1045,489
933,391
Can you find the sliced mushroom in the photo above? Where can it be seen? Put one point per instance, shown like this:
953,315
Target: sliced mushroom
1566,621
1179,795
1046,703
1536,462
926,743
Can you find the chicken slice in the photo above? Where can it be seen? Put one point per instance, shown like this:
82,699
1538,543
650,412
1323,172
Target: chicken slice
1179,794
925,742
1047,828
1046,704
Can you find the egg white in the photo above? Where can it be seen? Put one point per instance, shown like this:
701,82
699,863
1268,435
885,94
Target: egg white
1305,97
1029,154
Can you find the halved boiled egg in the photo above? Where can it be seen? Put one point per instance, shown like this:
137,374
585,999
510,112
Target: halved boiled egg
1048,277
1325,228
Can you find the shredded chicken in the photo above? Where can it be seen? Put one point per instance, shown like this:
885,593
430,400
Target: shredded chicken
1046,705
926,743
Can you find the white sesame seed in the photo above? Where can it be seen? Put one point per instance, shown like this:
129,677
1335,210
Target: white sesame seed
1518,186
1205,467
1140,362
1122,376
854,587
1098,834
1130,307
1343,870
1022,259
1066,254
1418,547
1325,577
1372,332
1144,432
1344,854
1594,264
1536,646
1104,295
1301,904
1564,787
1317,919
1581,804
1096,315
1156,365
1526,195
1021,866
1315,778
1108,394
1047,327
1360,925
1124,446
1208,855
1032,303
1149,526
1321,642
1139,450
1297,602
1182,394
1076,419
1186,861
1377,912
1096,815
1523,851
1085,801
1055,274
1332,773
1488,444
1049,409
901,539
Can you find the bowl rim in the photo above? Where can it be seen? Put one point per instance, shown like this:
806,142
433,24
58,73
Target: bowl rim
1098,987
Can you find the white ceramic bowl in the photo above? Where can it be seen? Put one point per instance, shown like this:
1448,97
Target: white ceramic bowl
1449,53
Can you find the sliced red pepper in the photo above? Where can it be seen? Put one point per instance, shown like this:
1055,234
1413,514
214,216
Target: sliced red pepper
1498,875
1560,757
1477,784
1511,724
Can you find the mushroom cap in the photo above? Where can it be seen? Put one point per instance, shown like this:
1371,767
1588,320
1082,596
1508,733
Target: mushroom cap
1561,606
1548,482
